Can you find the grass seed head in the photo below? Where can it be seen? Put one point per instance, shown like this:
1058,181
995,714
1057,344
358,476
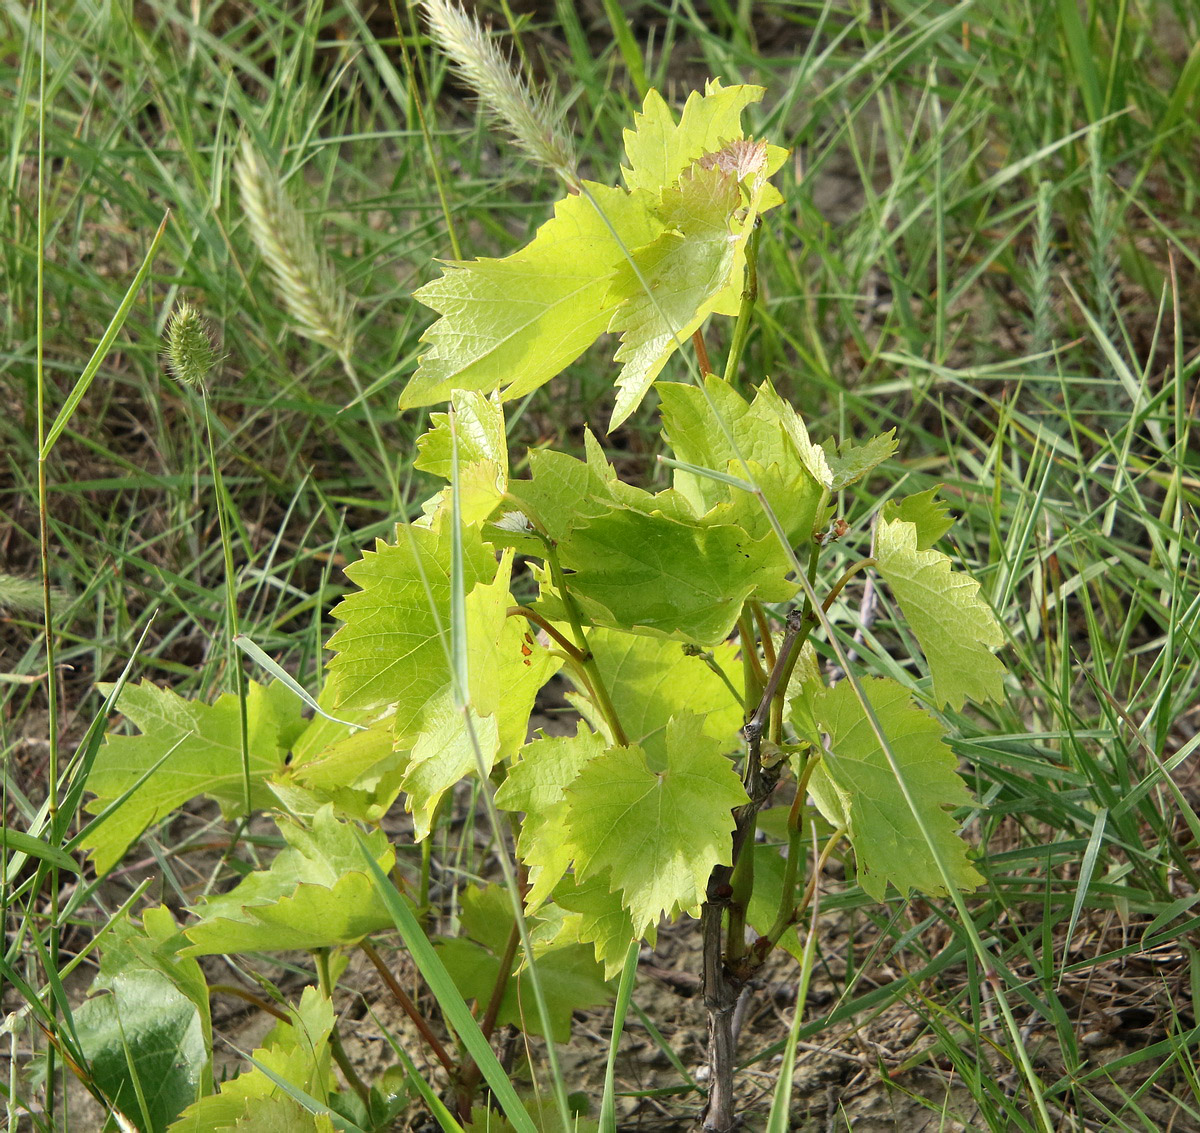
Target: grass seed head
503,93
303,273
190,354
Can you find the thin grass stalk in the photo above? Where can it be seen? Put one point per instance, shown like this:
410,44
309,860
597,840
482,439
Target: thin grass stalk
44,537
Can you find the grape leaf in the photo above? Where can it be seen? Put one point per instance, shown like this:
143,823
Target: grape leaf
298,1052
536,785
659,150
854,786
203,748
717,428
507,668
482,448
649,573
651,679
956,629
926,511
390,651
314,895
512,324
849,462
563,491
676,281
597,916
658,835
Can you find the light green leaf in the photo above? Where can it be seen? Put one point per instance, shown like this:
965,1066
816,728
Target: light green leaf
354,768
850,462
563,491
855,786
314,895
597,916
659,150
658,835
482,453
956,629
390,650
512,324
202,743
687,270
536,785
298,1052
444,754
652,574
507,669
651,679
930,515
714,427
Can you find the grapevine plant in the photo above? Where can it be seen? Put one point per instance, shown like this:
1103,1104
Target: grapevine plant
684,621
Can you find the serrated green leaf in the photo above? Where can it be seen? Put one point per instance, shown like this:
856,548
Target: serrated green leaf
687,270
570,978
390,650
717,428
153,1028
298,1052
659,150
507,669
657,835
536,785
314,895
482,453
855,786
651,679
597,916
956,629
926,511
512,324
274,1114
850,462
205,759
654,574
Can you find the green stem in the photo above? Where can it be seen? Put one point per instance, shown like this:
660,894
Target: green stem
779,701
851,571
335,1039
231,612
741,329
753,677
742,884
542,623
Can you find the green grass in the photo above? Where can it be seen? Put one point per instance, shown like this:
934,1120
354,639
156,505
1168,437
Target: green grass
989,242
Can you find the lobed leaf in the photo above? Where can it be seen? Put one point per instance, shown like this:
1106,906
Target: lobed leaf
203,749
314,895
715,427
855,787
390,651
657,835
654,574
956,629
512,324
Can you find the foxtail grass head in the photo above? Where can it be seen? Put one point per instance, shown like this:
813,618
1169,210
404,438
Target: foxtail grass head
190,354
503,93
303,273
